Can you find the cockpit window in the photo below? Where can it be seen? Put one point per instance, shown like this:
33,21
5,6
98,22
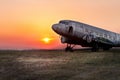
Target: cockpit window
63,22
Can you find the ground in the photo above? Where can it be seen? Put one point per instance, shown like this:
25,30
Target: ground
59,65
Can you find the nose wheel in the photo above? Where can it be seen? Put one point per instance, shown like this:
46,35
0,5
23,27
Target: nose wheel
69,47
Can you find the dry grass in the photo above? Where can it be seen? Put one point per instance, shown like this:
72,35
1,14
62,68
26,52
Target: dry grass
59,65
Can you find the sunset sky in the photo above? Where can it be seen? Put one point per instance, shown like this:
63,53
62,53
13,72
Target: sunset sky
25,23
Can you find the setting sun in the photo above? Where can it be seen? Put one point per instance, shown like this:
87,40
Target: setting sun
46,40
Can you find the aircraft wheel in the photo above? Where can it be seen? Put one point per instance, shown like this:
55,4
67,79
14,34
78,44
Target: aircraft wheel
106,48
95,48
68,49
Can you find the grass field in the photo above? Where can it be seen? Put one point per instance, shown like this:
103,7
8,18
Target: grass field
60,65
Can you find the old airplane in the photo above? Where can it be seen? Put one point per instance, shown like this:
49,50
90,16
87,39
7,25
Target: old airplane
77,33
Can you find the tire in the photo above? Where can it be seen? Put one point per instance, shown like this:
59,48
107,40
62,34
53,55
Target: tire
68,49
106,48
95,47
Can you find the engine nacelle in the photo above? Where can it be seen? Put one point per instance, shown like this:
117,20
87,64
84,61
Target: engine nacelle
64,40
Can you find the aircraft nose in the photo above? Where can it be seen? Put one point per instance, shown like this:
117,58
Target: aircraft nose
58,28
54,27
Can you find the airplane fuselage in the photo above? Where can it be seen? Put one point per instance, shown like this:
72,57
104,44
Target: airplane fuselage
74,32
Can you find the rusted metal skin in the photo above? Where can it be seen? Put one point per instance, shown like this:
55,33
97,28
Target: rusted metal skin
74,32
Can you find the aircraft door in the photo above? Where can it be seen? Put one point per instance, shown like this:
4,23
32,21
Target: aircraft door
71,28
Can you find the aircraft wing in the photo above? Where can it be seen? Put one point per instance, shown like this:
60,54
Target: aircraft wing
103,41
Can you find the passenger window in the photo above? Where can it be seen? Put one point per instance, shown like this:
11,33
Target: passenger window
100,35
86,30
64,22
105,35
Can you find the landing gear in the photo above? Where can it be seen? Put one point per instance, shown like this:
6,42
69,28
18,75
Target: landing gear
95,48
106,48
69,47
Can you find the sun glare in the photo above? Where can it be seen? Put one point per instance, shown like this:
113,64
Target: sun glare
46,40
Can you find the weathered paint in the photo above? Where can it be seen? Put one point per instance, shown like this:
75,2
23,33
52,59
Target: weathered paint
80,31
